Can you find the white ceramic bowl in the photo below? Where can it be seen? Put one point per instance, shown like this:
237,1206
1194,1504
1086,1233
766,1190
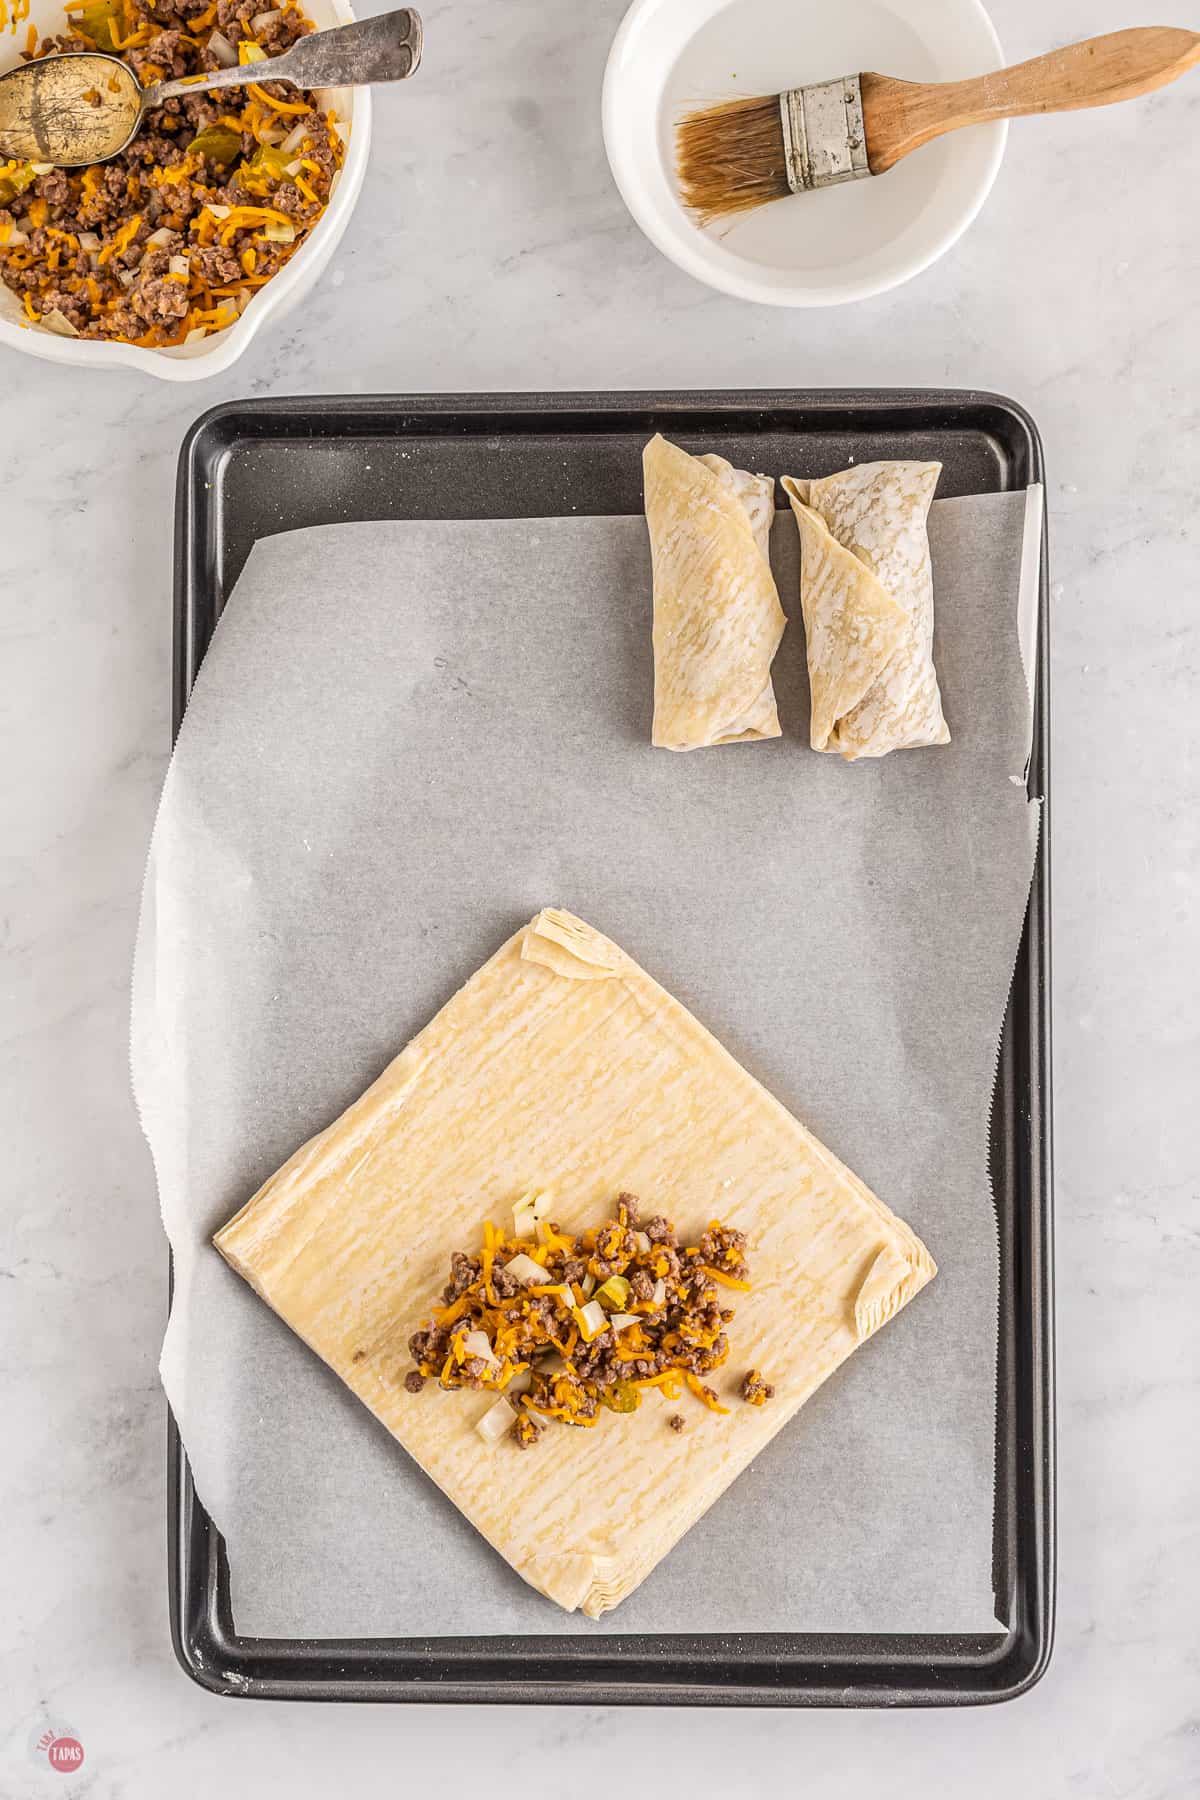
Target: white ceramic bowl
210,355
818,249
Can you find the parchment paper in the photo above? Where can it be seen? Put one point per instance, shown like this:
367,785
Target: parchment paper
405,739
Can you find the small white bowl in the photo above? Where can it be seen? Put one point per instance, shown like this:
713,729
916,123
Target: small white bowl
818,249
210,355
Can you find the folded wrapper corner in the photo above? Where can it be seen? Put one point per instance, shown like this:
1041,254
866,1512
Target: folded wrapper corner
717,617
866,592
562,1066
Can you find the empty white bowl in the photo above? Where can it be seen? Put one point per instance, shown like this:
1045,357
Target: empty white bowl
210,355
818,249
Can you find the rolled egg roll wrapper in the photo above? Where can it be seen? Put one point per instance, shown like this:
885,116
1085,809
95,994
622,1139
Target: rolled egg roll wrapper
878,513
851,626
717,617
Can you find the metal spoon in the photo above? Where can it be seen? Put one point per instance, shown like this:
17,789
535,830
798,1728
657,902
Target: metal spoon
85,107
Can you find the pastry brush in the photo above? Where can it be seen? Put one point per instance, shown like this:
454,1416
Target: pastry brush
741,153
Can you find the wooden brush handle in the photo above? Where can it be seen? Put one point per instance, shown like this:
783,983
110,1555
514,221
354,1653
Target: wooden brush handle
902,115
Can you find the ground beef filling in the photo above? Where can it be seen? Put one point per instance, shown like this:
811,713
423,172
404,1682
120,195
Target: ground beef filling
569,1327
176,235
755,1390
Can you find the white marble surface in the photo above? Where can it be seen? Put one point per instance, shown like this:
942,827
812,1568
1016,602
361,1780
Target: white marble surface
507,261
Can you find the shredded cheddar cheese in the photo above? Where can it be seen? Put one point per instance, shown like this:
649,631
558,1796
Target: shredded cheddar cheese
704,1393
118,245
290,108
726,1280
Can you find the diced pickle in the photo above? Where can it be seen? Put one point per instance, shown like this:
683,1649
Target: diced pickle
613,1294
15,181
268,161
622,1397
218,143
99,21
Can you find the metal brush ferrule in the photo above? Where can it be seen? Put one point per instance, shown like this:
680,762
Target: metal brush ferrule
824,138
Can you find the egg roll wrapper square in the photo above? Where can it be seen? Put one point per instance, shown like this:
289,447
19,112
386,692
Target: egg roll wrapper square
562,1066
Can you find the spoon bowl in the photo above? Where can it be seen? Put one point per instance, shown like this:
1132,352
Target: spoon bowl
70,110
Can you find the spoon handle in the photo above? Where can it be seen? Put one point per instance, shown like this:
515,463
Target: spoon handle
387,48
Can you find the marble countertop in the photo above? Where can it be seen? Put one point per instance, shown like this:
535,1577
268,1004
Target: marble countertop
509,262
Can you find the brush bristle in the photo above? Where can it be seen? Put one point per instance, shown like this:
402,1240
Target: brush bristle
730,158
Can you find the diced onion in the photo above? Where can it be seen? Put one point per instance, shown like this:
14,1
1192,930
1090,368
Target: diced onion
495,1422
523,1268
275,231
659,1296
643,1243
619,1321
222,49
520,1383
295,137
41,168
126,277
162,236
591,1320
530,1207
261,20
218,212
58,322
88,241
251,53
179,265
195,334
476,1343
16,238
588,1284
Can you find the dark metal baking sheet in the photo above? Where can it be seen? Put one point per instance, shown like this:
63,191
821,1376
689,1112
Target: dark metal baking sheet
252,468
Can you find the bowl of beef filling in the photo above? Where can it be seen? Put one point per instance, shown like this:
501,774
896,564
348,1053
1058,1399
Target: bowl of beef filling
220,214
